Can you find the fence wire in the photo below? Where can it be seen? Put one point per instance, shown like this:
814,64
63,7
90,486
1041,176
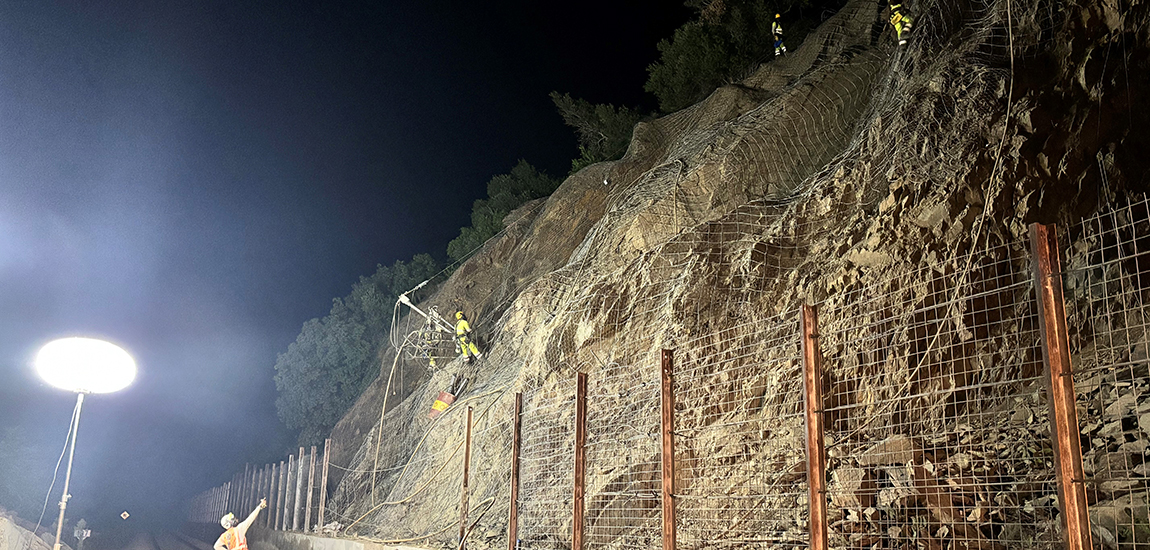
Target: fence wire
937,411
937,427
623,454
1107,290
546,460
739,427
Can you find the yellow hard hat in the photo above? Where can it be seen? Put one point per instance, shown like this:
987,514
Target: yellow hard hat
458,315
228,520
776,16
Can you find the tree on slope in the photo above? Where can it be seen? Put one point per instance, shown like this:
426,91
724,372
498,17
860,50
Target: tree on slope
334,359
727,40
604,131
505,193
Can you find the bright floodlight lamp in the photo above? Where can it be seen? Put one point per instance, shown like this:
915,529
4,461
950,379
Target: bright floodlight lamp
85,365
82,365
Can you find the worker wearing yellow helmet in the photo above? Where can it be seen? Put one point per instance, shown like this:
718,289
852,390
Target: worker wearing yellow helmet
236,535
777,31
900,21
462,330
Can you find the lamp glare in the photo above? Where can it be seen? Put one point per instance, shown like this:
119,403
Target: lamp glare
85,365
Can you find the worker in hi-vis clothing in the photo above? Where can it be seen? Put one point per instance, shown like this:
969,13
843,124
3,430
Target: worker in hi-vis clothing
430,339
235,537
777,30
462,330
900,21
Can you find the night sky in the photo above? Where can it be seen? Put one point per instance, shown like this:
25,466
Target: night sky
194,180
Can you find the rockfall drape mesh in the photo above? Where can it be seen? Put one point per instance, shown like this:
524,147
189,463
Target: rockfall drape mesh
936,410
718,223
546,466
740,460
1107,289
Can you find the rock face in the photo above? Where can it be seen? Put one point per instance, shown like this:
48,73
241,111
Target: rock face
16,537
893,188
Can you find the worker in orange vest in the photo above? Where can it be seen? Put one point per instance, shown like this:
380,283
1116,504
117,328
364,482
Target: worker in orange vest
235,537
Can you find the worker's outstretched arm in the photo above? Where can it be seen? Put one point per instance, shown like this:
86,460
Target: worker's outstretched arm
243,526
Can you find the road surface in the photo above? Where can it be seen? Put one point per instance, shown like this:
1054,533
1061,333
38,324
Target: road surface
165,541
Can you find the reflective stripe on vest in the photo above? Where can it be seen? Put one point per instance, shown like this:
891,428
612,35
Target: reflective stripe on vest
234,540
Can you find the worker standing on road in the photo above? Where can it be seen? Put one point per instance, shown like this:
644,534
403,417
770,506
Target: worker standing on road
235,538
462,330
777,31
900,21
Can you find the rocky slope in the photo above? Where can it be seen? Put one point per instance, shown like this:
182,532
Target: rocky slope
845,167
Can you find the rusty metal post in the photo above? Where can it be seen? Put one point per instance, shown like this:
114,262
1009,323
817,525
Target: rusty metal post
513,513
310,486
1060,385
580,460
466,488
816,443
323,479
298,492
667,376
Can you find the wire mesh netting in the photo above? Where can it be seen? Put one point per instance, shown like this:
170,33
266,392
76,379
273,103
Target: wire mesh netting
936,411
546,466
739,448
623,456
1106,283
428,471
937,430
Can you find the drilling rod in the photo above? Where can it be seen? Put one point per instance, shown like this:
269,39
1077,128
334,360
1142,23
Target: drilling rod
436,320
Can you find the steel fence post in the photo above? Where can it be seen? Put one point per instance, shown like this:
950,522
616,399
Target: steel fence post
667,421
1047,267
310,489
815,430
580,460
298,492
465,493
323,479
513,513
